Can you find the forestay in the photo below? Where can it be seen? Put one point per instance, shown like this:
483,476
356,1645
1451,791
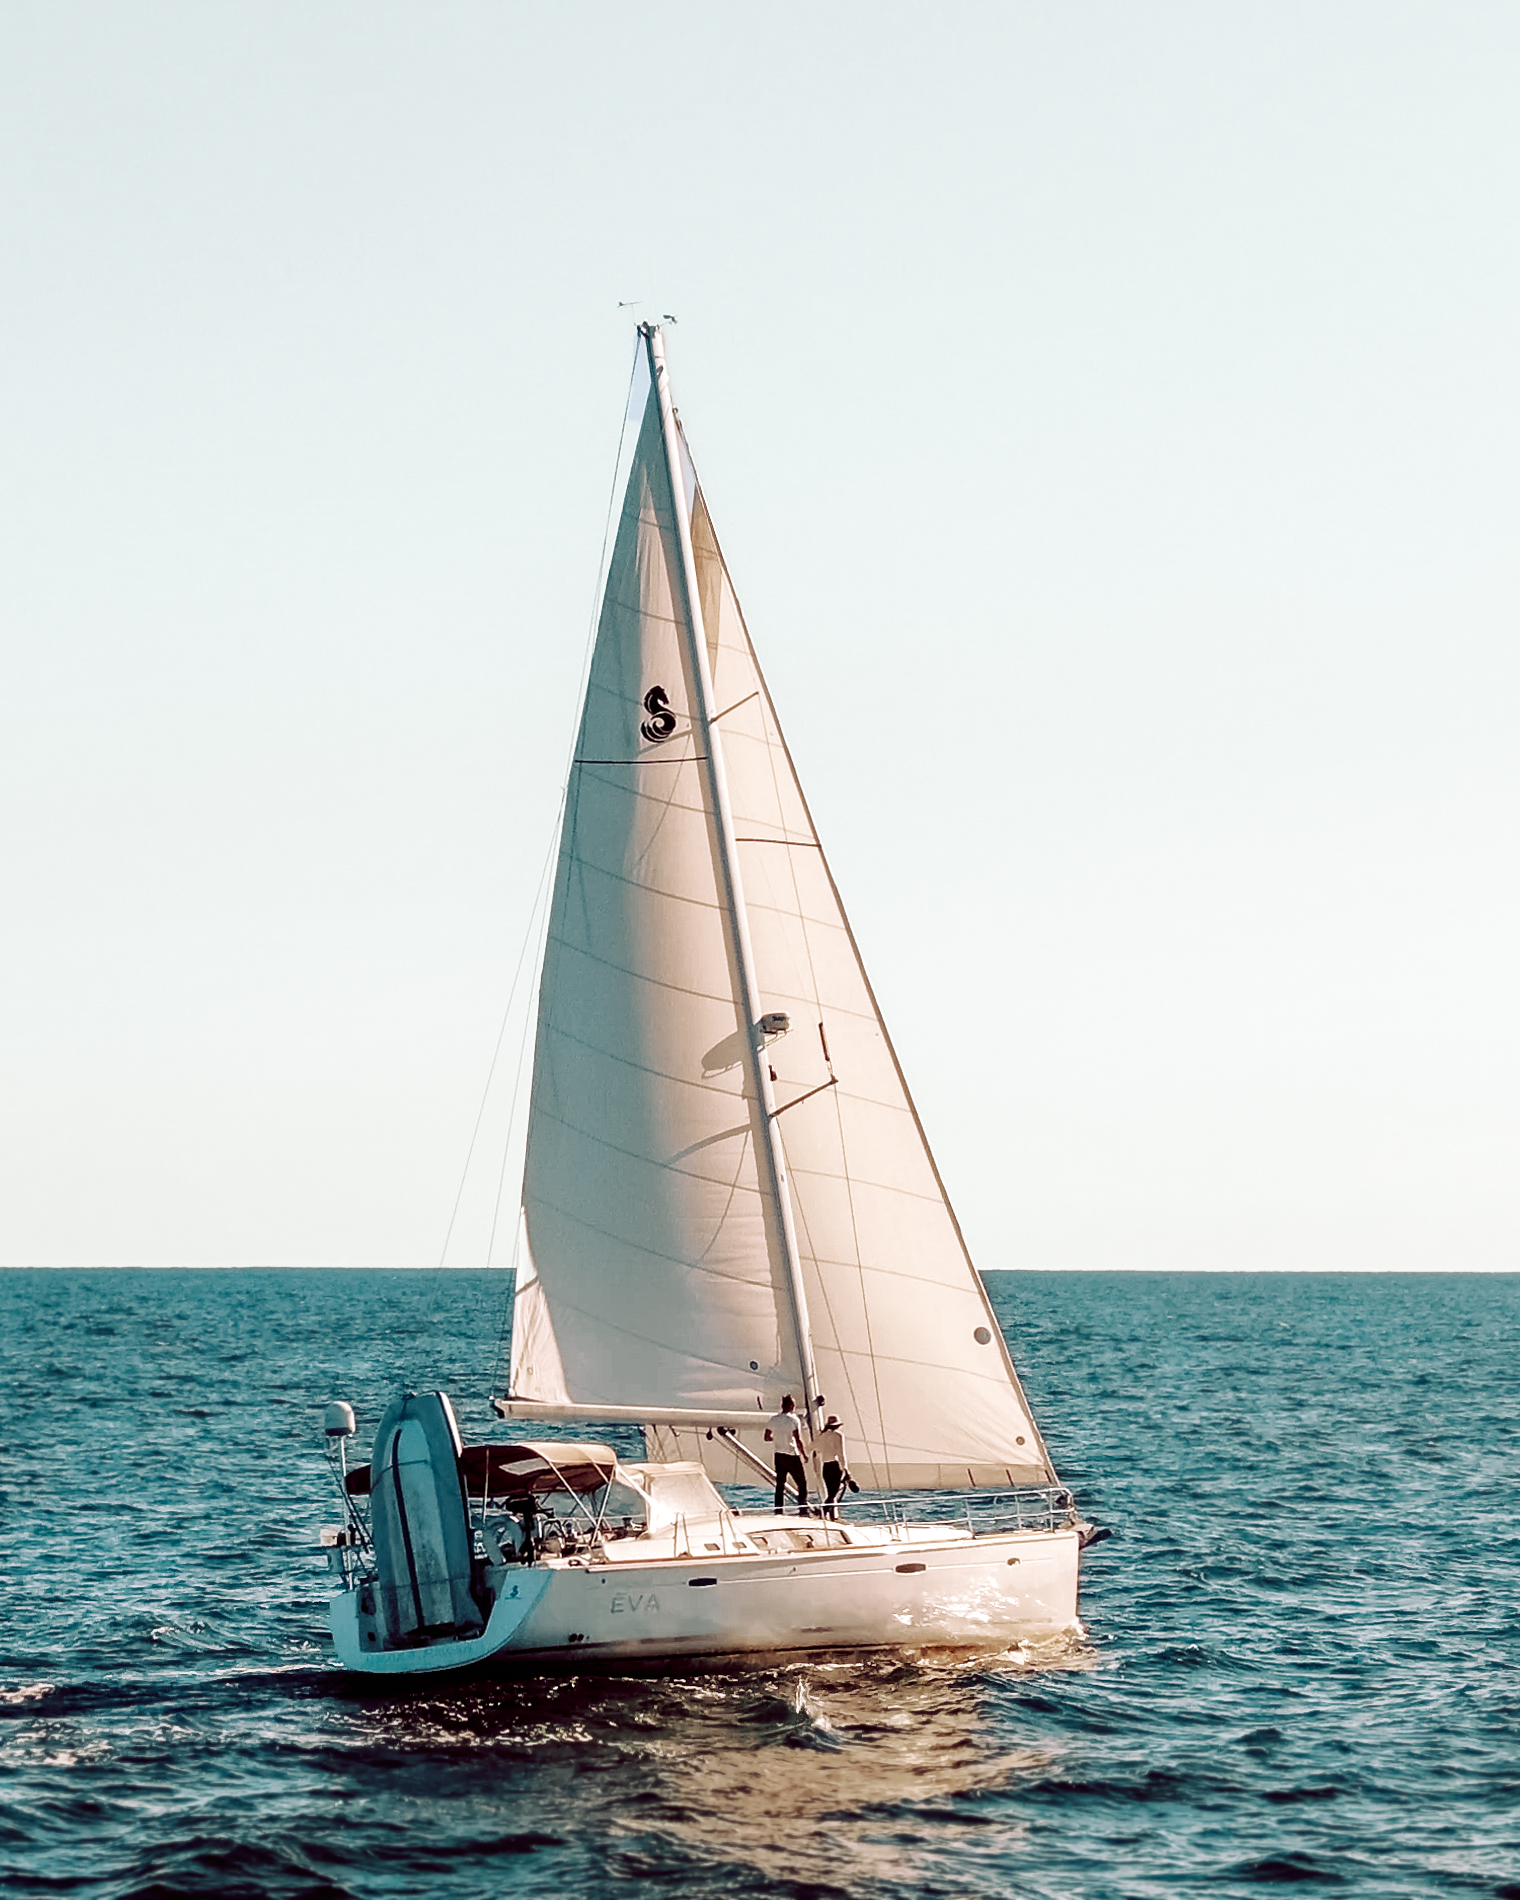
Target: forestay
649,1273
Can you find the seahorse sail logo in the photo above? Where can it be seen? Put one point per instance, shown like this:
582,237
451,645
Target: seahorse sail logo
661,723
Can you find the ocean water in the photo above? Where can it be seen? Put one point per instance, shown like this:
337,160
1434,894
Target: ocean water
1302,1665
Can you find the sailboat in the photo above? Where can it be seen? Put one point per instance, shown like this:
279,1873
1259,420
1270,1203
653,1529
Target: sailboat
728,1199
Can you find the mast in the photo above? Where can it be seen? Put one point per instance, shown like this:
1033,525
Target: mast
769,1153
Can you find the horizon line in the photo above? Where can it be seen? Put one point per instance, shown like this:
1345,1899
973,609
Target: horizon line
24,1266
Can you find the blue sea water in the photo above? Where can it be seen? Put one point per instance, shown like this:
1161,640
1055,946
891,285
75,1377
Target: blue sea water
1303,1664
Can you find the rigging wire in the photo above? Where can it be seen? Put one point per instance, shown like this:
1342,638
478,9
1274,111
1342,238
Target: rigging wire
529,939
522,1051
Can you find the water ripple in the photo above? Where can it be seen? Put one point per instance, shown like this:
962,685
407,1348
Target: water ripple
1300,1669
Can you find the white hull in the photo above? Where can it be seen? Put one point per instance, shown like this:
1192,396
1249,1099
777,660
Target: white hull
908,1587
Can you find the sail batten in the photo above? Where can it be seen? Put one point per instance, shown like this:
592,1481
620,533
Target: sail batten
688,1241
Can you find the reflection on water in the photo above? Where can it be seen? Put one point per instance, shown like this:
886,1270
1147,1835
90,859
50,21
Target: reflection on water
825,1783
851,1774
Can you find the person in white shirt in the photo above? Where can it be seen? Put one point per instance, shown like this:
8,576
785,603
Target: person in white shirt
828,1454
784,1431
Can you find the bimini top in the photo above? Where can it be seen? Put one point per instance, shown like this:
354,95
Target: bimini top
521,1471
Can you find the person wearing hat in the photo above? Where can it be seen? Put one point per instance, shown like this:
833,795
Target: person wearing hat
828,1455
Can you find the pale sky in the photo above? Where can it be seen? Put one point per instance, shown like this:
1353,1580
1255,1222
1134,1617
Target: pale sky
1110,416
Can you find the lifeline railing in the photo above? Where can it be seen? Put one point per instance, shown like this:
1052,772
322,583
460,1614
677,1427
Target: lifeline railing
1045,1507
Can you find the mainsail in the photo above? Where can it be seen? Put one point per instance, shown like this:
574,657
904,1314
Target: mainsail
668,1263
